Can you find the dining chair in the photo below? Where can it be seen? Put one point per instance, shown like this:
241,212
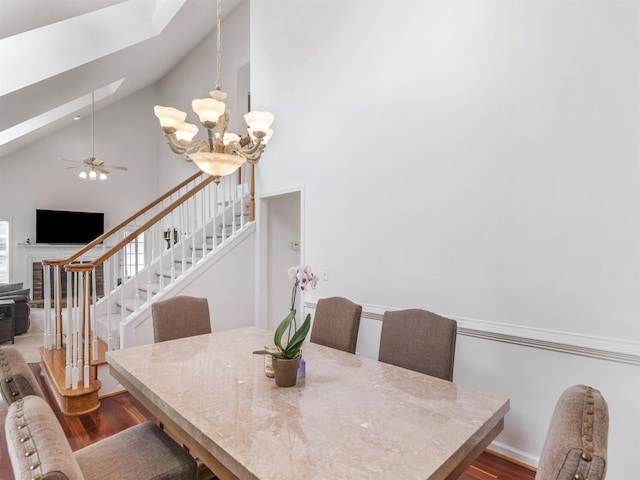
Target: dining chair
17,380
419,340
38,448
336,323
576,443
180,317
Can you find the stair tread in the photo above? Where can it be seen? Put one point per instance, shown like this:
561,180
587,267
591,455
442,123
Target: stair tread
55,363
128,303
151,287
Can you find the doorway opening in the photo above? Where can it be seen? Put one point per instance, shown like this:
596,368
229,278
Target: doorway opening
281,247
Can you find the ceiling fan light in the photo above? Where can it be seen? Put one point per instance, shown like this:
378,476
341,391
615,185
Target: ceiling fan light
169,117
208,109
103,176
83,174
93,175
259,122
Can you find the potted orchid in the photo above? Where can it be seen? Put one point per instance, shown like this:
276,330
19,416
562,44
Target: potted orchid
304,279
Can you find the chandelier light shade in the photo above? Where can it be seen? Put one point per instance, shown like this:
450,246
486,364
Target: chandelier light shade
222,152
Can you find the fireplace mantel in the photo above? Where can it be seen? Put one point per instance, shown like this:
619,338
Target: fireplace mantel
37,252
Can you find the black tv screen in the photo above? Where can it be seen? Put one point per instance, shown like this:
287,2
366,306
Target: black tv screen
63,227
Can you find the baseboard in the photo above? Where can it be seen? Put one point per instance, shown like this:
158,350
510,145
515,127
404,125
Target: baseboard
514,455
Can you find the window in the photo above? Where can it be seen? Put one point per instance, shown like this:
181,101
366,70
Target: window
4,251
134,255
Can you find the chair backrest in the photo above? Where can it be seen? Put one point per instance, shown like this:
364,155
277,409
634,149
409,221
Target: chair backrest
576,442
38,448
37,445
180,317
16,377
336,323
419,340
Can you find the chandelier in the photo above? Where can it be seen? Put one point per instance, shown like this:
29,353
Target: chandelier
222,152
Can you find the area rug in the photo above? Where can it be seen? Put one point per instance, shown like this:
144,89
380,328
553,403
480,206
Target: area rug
30,342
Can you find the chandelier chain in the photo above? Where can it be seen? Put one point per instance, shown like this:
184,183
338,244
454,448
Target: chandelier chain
218,54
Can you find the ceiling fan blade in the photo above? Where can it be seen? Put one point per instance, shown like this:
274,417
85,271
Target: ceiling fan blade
101,170
69,160
76,166
114,167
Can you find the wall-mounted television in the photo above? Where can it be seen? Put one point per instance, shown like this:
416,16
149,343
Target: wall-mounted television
64,227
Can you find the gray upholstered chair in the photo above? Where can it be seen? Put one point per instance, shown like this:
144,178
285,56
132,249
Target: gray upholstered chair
22,310
38,448
419,340
336,323
17,378
576,443
180,317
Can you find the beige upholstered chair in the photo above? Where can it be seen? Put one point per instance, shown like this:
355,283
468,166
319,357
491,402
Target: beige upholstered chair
336,323
180,317
576,443
419,340
38,448
16,377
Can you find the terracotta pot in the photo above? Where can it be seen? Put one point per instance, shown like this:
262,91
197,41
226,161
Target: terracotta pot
286,370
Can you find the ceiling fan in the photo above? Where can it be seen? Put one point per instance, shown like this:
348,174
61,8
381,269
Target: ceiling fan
93,168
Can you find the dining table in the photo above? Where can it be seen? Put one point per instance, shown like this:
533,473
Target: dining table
349,417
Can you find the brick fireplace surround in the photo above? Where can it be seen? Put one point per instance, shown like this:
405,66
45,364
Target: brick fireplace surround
37,286
29,270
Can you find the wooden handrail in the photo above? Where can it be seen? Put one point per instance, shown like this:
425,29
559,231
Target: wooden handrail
77,327
76,267
124,223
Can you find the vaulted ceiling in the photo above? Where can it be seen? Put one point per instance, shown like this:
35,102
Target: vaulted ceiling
53,54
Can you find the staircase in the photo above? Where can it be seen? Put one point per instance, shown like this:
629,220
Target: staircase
145,258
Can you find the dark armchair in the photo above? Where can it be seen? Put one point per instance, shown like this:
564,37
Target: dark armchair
22,310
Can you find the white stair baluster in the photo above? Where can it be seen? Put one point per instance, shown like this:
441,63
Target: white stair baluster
94,337
172,249
86,328
67,329
74,337
108,268
183,230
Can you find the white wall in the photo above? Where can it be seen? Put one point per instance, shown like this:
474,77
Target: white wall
477,159
229,287
35,177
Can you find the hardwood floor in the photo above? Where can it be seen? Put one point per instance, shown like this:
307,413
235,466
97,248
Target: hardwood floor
123,411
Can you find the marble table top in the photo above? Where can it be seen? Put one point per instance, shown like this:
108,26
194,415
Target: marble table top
350,417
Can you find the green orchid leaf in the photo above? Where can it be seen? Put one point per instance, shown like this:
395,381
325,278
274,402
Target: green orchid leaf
262,352
298,338
283,327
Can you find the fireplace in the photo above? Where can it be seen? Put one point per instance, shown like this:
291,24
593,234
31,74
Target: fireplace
37,290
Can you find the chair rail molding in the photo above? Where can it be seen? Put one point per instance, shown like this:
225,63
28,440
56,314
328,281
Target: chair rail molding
613,349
